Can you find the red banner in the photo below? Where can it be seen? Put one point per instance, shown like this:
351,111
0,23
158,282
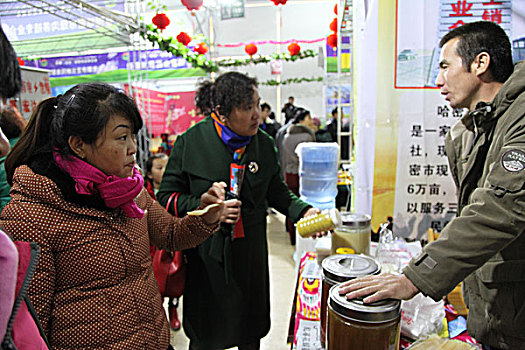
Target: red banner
169,113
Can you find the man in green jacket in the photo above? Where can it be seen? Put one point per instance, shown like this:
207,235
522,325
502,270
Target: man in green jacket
484,246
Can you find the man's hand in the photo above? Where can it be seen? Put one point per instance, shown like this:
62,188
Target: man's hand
379,287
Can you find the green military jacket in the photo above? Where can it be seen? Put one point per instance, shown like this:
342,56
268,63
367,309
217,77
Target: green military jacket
484,246
226,299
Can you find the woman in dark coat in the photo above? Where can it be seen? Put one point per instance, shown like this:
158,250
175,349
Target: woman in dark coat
226,299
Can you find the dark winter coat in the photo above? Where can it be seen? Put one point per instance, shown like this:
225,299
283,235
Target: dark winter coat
485,245
226,299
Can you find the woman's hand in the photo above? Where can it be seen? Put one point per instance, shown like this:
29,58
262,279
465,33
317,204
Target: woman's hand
232,211
379,287
215,195
315,211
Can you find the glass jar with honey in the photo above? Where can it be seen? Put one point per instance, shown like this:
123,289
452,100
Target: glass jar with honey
354,325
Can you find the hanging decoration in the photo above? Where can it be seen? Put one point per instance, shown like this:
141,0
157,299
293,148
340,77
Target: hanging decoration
192,4
273,82
333,25
21,62
335,9
274,42
294,49
196,56
201,48
331,40
250,49
184,38
228,62
279,2
161,21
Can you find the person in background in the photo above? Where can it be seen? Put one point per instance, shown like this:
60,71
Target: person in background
19,328
12,123
289,110
155,167
275,123
316,124
226,295
270,127
76,192
331,126
301,130
484,246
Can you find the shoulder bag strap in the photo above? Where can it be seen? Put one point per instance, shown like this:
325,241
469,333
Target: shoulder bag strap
173,198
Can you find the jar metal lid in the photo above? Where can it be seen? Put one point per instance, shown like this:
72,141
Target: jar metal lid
356,220
343,267
376,312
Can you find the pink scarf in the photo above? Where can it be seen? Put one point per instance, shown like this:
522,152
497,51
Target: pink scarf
117,192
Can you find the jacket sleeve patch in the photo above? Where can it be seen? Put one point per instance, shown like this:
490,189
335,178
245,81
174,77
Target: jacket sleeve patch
507,174
513,160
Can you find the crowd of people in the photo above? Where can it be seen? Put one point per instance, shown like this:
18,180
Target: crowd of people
81,220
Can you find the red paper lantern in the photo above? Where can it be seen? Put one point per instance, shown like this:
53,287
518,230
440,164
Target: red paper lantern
250,49
333,25
192,4
184,38
201,48
331,40
335,9
279,2
283,2
294,49
161,21
21,62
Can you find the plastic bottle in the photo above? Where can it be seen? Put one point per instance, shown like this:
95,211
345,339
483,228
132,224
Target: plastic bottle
324,221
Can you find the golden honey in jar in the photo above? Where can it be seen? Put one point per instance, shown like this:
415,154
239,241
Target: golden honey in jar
353,233
354,325
340,268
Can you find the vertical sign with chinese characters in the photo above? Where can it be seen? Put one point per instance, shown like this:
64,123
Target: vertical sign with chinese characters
425,193
35,88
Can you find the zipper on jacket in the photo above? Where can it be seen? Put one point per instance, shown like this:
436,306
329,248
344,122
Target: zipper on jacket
7,342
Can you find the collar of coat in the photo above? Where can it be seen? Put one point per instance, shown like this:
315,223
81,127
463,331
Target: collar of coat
299,129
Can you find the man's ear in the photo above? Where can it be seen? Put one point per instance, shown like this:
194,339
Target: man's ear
77,145
481,63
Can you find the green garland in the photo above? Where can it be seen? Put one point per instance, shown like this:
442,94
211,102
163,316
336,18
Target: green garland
266,59
274,82
152,34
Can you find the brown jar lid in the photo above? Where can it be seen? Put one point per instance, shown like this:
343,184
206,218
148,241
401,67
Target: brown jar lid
355,309
343,267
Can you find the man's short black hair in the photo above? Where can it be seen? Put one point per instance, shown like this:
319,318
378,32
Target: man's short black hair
483,36
265,106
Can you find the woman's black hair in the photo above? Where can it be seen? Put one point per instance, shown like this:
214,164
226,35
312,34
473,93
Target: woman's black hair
84,110
299,115
12,123
9,69
230,90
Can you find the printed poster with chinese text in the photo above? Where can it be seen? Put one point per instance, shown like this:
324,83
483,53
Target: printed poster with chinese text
412,179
